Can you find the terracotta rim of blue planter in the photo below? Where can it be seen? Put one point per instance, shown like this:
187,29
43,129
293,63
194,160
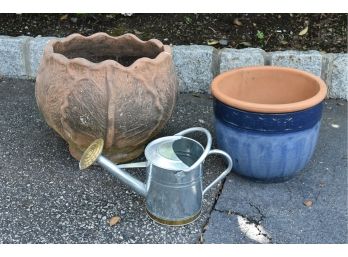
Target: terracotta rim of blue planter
269,89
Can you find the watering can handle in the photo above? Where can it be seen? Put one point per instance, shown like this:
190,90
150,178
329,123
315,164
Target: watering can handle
224,173
207,147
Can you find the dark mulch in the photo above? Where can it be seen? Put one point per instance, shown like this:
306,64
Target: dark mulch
326,32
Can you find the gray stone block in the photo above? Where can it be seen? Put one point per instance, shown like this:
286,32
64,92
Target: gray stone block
12,56
326,67
338,84
234,58
36,49
310,61
195,67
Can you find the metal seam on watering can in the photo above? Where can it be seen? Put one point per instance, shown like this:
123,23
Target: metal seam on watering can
268,122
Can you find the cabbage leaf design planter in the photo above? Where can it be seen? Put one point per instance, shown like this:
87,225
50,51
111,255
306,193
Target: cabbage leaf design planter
121,89
268,119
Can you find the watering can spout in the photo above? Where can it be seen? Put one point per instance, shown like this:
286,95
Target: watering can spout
125,177
93,154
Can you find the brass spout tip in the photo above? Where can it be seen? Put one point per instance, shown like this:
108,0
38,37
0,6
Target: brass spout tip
91,154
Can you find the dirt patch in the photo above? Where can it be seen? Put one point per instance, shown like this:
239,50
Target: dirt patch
272,32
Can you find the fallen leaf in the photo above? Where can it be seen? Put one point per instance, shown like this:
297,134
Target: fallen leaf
308,203
245,43
114,220
64,17
237,22
212,42
303,32
138,32
283,42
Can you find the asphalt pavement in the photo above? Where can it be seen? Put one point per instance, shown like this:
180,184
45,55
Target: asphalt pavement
45,198
310,208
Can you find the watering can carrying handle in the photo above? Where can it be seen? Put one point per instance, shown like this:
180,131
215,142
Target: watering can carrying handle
207,147
224,173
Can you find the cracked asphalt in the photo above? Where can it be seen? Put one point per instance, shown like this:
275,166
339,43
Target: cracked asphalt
46,199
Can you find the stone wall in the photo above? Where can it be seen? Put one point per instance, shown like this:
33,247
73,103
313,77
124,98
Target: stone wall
196,65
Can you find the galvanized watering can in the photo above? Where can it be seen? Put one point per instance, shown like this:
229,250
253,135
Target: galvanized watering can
173,189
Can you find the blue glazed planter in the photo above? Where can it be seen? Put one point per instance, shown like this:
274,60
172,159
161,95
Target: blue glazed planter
267,147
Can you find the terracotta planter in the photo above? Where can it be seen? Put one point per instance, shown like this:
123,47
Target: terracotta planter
268,119
121,89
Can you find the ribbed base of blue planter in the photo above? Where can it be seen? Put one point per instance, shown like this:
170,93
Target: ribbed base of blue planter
264,156
267,147
268,181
